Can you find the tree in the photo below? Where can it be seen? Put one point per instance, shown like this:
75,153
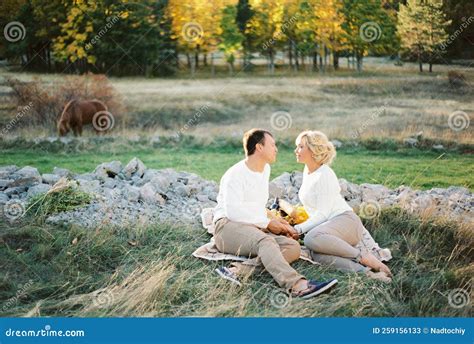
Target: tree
265,28
368,27
328,27
120,37
422,28
244,14
231,37
196,25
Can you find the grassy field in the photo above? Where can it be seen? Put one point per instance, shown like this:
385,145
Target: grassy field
55,271
148,271
384,101
402,166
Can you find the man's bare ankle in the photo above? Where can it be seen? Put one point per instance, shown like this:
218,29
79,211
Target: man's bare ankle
302,284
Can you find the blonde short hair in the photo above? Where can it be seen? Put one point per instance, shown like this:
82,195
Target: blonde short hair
318,143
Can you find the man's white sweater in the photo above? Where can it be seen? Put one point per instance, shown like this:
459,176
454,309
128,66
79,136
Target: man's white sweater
243,195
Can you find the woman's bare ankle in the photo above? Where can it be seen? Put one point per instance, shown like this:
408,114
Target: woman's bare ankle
373,262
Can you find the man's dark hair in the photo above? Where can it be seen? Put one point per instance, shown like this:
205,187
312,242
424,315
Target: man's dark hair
252,138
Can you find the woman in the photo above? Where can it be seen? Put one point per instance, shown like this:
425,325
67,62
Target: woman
332,230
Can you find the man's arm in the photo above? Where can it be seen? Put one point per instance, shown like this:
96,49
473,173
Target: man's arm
239,210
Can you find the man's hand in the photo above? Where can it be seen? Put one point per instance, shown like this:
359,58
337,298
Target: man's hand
281,227
293,233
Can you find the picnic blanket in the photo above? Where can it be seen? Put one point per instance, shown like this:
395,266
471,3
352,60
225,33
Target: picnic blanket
209,250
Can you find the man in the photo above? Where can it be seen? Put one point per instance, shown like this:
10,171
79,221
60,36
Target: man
243,228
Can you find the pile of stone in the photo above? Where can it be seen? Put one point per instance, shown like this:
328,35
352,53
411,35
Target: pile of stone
123,195
134,195
455,203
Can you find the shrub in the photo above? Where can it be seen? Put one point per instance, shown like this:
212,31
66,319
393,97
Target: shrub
45,101
456,79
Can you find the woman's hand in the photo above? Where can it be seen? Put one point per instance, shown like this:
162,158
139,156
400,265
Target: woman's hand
281,227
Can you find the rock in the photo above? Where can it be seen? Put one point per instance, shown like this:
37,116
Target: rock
17,190
49,178
5,171
28,172
4,183
134,167
169,196
373,191
132,193
405,194
62,172
108,169
110,183
89,186
38,189
181,189
155,140
86,176
296,179
410,141
275,190
283,180
421,203
148,194
160,183
149,174
4,198
202,198
66,140
438,147
337,143
350,190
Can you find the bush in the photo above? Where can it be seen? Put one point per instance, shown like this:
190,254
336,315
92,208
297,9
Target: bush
44,102
456,78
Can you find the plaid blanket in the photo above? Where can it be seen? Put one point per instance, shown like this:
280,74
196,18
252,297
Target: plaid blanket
209,251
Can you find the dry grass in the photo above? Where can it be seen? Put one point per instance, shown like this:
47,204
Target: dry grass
386,101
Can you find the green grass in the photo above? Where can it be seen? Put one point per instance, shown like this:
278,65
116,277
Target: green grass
419,169
150,272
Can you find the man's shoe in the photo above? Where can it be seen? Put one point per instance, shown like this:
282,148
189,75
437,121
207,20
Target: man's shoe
315,288
228,275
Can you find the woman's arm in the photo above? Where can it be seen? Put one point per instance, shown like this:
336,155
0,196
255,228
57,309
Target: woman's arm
325,192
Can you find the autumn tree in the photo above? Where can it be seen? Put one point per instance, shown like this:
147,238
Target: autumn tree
196,26
265,28
368,27
231,38
422,29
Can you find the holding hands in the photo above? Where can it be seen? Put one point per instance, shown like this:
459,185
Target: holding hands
280,226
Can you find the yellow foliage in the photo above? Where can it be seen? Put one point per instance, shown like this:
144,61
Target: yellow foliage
197,23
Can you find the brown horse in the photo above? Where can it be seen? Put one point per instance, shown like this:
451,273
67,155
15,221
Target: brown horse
77,113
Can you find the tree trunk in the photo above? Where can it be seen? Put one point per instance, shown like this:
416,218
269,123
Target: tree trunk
359,62
297,63
315,60
188,59
205,60
431,67
213,69
325,57
196,58
335,61
420,62
290,53
272,62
